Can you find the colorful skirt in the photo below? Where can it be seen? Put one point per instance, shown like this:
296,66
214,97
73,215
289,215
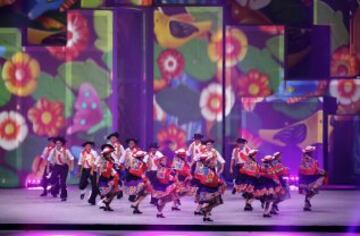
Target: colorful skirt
133,184
268,189
161,190
107,186
183,187
246,184
285,194
310,183
209,195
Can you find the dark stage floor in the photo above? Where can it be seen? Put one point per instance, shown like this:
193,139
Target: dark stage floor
330,208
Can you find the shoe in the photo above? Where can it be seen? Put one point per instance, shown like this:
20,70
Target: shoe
248,207
137,211
63,199
198,213
267,215
178,202
160,215
108,208
233,191
153,201
82,196
175,208
208,219
307,208
103,208
119,195
44,194
92,202
273,212
276,208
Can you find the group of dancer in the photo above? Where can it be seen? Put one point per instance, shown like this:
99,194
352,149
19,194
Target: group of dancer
194,171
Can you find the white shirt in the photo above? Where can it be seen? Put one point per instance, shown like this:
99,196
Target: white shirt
213,152
126,158
119,151
152,157
60,157
239,155
87,160
193,150
46,152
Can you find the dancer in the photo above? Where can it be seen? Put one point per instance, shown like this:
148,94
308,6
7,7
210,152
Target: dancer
211,187
163,186
63,162
196,172
129,152
88,171
268,186
282,172
213,153
45,180
152,158
183,176
113,140
194,147
136,184
238,158
108,177
311,177
247,179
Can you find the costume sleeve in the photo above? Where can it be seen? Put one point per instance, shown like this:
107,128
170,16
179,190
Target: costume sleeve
220,159
69,154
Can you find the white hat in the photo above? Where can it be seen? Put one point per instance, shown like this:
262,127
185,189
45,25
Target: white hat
309,149
253,151
267,158
276,154
180,151
139,153
203,155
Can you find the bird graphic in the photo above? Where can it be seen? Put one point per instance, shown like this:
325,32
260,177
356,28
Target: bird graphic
302,133
176,30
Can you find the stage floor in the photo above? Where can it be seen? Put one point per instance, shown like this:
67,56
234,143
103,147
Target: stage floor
330,208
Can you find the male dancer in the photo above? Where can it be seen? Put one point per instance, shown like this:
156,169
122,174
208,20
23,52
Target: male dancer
63,162
45,180
88,171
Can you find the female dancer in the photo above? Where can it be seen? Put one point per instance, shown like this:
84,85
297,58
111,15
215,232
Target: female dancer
247,179
183,176
282,172
268,185
211,187
163,186
136,185
311,177
238,158
108,177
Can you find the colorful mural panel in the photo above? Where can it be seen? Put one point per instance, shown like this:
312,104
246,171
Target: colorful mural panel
54,90
188,95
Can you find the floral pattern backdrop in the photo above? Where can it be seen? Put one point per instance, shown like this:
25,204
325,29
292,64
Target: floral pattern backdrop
54,90
188,91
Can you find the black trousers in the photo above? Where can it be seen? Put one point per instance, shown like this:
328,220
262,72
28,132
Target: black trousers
45,180
58,180
84,181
